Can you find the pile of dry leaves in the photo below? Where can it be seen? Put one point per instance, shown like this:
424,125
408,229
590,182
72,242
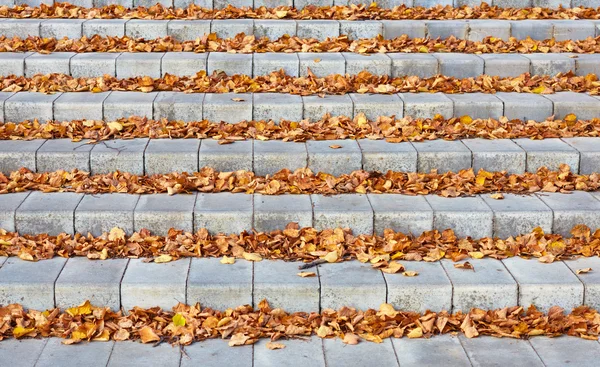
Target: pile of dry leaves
243,325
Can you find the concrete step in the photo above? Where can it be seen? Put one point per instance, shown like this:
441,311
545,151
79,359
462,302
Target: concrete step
477,216
156,65
474,30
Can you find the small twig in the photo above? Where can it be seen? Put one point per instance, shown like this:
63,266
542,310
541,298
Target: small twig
312,264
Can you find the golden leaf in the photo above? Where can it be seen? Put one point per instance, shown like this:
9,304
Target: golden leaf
415,333
410,273
238,339
227,260
497,196
116,234
351,339
163,259
20,331
393,267
273,346
148,335
83,309
178,320
583,271
466,265
476,254
250,256
306,274
331,257
114,125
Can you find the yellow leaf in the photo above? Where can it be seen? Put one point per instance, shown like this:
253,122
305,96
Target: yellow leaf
103,337
227,260
393,267
114,125
250,256
571,117
466,119
331,257
317,61
410,273
78,335
324,331
148,335
281,13
116,234
273,346
476,254
20,331
238,99
306,274
415,333
178,320
163,259
538,90
583,271
497,196
238,339
351,339
387,310
83,309
423,49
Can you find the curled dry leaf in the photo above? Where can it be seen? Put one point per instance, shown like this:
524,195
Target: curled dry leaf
238,339
415,333
350,338
410,273
274,346
331,257
583,271
497,196
335,146
307,274
251,256
466,265
393,267
147,335
163,259
238,99
227,260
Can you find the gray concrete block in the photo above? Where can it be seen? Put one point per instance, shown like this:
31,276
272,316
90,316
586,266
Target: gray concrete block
442,155
480,29
91,354
13,63
104,27
315,107
149,3
229,28
223,212
147,29
489,351
466,216
460,65
272,156
377,64
421,65
150,284
97,281
227,157
445,349
55,62
29,106
565,30
274,29
30,283
131,65
343,211
187,30
477,105
16,352
334,161
590,281
422,105
268,62
321,64
589,153
519,106
302,352
539,284
94,64
447,28
228,107
126,104
301,4
489,287
273,213
51,213
579,207
272,3
15,154
277,107
277,282
171,155
20,27
215,353
397,28
535,29
512,3
585,3
549,153
337,354
402,213
220,4
178,106
98,214
3,97
587,64
118,155
496,155
131,353
584,106
351,284
79,106
363,29
516,214
63,154
318,29
375,105
183,63
505,65
550,64
161,212
556,352
59,28
8,205
379,155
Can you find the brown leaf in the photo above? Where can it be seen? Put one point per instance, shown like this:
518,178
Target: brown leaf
466,265
306,274
351,339
273,346
148,335
583,271
238,339
335,146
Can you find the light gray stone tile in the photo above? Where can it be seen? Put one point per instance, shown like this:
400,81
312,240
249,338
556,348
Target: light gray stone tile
466,216
587,64
321,64
229,28
160,212
359,30
146,28
565,30
149,3
337,354
505,65
442,155
56,353
535,29
376,64
105,27
277,107
274,29
51,213
275,212
459,65
491,351
183,63
64,154
59,28
315,107
126,104
477,105
55,62
422,105
188,30
227,157
3,97
8,205
268,62
216,353
223,212
13,63
375,105
98,214
131,65
397,28
556,352
496,155
421,65
273,155
171,155
178,106
589,153
516,214
549,153
15,154
439,351
444,29
579,207
228,107
118,155
79,106
24,353
512,3
550,64
519,106
338,161
134,353
379,155
584,106
308,353
20,27
590,280
346,211
94,64
318,29
479,29
29,106
402,213
301,4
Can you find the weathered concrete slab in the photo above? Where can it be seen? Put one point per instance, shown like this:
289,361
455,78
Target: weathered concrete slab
55,62
8,205
177,155
226,157
79,106
178,106
268,62
63,154
557,352
316,107
578,207
421,105
441,350
518,106
94,64
442,155
134,353
118,155
375,105
307,353
51,213
15,154
379,155
505,65
275,212
160,212
496,155
343,158
421,65
338,354
321,63
223,212
591,280
98,214
403,213
518,214
277,107
24,353
274,155
351,284
56,353
589,153
228,107
549,153
126,104
29,106
477,105
490,351
216,353
581,104
347,211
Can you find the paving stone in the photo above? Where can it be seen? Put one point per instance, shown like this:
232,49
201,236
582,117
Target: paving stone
477,105
187,30
223,212
146,28
277,107
322,64
346,211
272,156
183,63
274,28
421,105
550,64
8,205
59,28
579,207
536,29
518,214
376,105
556,352
401,213
51,213
151,284
591,280
316,107
512,3
149,3
446,28
490,286
318,29
226,157
505,65
13,63
584,106
323,158
219,286
216,353
126,104
278,283
171,155
55,62
466,216
459,65
363,29
496,155
20,27
275,212
30,283
185,3
587,64
442,155
307,353
268,62
565,30
445,350
228,107
491,351
430,290
229,28
104,27
63,154
15,154
3,97
99,213
56,353
29,106
589,153
94,64
118,155
160,212
431,3
135,353
101,284
24,353
519,106
337,354
178,106
131,65
549,153
79,106
377,64
421,65
396,28
379,155
479,29
301,4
